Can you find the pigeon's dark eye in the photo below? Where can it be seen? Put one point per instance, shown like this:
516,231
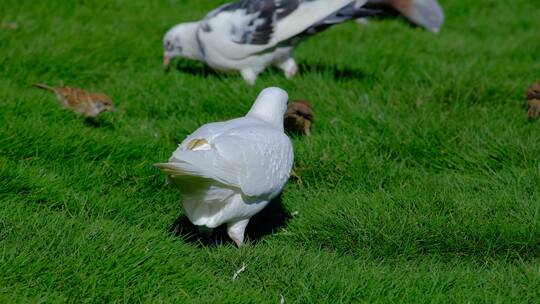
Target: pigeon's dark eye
169,46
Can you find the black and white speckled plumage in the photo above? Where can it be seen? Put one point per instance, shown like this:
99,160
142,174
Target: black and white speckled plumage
349,12
249,35
264,15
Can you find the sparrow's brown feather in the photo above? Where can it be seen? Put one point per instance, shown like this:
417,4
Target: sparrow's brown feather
80,101
299,117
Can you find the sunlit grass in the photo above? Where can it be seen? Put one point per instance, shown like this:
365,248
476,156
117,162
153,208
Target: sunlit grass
419,184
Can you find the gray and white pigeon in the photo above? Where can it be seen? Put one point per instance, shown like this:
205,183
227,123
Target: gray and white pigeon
229,171
250,35
425,13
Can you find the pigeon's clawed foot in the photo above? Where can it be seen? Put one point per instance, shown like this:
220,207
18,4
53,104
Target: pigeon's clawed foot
299,181
249,76
362,21
236,231
289,67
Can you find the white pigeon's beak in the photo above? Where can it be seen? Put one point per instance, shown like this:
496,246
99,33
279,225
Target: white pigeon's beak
166,61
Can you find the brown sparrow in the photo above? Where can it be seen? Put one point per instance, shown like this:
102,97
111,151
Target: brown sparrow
9,25
299,117
533,99
82,102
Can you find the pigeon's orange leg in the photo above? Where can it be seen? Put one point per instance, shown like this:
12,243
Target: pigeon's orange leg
289,67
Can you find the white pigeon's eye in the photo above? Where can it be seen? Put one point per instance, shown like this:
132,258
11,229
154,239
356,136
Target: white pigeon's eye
169,46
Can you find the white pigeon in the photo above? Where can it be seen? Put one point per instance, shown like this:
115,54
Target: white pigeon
229,171
425,13
250,35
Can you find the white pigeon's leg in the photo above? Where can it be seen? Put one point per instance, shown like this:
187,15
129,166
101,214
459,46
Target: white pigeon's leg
249,75
205,231
289,67
236,231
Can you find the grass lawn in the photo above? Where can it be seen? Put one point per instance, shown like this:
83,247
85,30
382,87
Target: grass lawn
420,182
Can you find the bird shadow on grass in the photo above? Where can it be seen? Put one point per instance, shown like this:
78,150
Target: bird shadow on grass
196,69
272,218
98,122
338,73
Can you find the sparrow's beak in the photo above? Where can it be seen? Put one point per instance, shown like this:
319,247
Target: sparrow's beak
166,62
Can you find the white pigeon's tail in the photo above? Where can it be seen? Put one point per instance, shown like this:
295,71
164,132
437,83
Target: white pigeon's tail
179,169
183,171
203,199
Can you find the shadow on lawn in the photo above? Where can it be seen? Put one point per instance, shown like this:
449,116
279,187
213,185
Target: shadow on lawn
196,69
339,74
98,122
266,222
270,219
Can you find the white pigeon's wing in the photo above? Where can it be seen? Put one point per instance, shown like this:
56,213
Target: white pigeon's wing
262,158
308,14
257,160
212,130
244,28
351,11
255,19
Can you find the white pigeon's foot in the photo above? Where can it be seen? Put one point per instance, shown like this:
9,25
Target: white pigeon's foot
289,67
362,21
236,231
249,76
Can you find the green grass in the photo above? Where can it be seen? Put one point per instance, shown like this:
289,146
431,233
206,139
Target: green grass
420,183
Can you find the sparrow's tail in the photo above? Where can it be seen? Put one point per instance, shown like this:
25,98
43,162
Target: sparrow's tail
44,87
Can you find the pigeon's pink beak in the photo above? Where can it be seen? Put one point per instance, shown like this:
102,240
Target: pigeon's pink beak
166,62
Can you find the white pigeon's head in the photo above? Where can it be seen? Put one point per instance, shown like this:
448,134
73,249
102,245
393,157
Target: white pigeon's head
181,41
270,106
